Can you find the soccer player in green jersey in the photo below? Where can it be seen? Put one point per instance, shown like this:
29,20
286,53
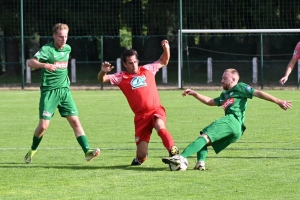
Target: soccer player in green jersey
228,129
52,59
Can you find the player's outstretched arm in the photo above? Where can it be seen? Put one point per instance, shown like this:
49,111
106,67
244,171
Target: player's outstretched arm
165,57
204,99
289,69
105,68
281,103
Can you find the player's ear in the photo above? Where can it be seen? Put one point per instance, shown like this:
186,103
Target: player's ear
237,78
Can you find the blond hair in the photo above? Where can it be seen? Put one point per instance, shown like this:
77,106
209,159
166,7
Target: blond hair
60,26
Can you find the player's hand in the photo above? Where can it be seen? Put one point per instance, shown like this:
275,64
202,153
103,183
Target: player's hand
285,104
50,67
188,92
283,80
165,44
106,67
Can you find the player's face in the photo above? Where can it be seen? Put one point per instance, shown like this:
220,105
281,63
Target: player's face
60,38
227,80
132,64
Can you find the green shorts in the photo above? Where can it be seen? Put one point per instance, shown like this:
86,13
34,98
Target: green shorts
58,98
223,132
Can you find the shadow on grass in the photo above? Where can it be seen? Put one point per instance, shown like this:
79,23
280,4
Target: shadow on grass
254,157
80,167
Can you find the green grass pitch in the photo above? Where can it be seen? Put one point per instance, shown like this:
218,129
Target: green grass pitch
263,164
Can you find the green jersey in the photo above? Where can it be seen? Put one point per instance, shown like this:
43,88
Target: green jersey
58,57
234,101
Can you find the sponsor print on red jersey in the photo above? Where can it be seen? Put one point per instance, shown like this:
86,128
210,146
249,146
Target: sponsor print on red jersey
227,103
138,81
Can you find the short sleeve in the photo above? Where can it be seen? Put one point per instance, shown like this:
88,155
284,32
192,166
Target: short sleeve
246,90
152,67
116,78
217,101
296,53
42,55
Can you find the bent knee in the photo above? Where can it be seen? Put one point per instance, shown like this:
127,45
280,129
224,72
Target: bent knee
43,126
206,137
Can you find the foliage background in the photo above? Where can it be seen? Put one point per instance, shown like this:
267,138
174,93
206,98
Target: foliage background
102,29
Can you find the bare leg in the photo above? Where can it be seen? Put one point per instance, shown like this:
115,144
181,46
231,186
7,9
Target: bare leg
141,153
76,125
41,128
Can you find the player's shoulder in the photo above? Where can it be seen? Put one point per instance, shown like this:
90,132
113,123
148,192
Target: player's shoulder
118,74
156,63
67,47
297,49
122,73
241,84
244,86
151,67
144,67
297,45
48,46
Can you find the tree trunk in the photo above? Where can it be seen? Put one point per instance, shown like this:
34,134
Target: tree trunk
136,25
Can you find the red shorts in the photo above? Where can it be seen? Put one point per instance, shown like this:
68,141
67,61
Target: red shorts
144,123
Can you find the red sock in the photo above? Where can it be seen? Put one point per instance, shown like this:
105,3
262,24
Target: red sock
141,160
166,138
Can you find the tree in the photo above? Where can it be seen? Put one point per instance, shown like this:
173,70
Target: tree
161,24
133,19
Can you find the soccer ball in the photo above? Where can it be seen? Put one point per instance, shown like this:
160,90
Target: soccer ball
183,164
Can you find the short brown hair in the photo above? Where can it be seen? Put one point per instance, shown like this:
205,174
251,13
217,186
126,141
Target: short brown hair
128,53
233,71
60,26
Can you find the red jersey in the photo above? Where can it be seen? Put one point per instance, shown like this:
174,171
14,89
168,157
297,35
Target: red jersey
139,89
296,53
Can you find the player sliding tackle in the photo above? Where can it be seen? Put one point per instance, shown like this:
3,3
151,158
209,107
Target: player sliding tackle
227,129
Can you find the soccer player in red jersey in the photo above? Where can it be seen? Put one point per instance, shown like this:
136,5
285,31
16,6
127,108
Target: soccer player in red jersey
139,87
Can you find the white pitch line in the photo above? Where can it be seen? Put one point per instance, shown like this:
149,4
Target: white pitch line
61,148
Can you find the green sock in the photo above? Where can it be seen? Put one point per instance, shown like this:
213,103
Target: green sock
84,143
194,147
35,142
201,155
